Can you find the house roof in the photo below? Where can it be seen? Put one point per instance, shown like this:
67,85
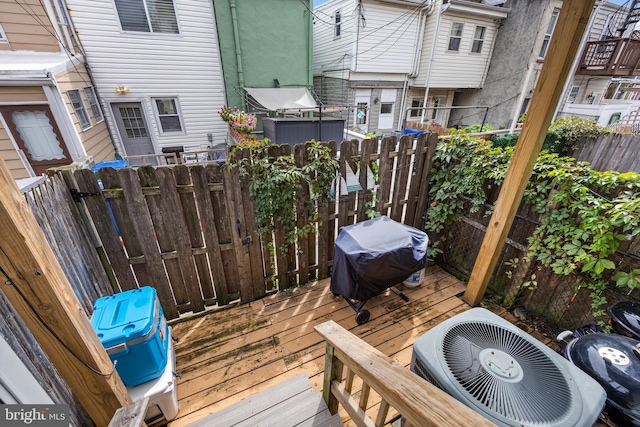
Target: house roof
33,67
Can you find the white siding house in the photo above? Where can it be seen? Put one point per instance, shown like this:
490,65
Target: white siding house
157,68
389,51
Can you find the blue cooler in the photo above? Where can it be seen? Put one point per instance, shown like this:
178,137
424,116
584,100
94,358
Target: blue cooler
133,330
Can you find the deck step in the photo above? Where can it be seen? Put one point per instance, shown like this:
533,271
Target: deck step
292,403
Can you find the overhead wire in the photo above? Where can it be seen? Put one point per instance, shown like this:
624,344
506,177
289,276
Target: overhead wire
32,13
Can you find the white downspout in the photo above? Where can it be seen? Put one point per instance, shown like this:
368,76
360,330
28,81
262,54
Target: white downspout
426,11
443,9
516,112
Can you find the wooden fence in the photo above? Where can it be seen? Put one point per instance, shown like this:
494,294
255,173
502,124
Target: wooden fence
612,152
190,231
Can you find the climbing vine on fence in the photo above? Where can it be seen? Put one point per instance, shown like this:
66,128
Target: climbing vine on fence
275,182
585,214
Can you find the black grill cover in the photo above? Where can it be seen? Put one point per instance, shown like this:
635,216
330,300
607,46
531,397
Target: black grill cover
376,254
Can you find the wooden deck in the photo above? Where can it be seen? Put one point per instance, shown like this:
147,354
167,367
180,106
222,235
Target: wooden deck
231,354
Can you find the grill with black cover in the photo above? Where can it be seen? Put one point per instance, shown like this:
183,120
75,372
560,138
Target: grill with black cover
374,255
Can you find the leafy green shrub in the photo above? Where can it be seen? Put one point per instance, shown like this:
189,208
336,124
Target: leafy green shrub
570,129
474,128
551,142
585,214
504,141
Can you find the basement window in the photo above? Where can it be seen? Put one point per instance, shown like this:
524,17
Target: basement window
149,16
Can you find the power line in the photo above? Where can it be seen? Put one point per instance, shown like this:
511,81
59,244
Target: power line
39,21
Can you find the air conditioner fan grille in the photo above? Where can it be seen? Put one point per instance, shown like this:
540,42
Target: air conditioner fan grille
521,384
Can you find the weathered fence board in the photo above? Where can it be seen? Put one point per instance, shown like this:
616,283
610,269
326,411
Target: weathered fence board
97,207
208,224
191,232
611,152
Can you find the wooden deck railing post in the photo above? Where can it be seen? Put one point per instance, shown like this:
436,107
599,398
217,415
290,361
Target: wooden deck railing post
332,371
421,403
34,283
572,22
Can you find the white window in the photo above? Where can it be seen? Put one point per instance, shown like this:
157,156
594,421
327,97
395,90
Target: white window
416,103
337,24
92,99
455,36
478,39
3,36
169,115
595,98
547,35
149,16
79,108
573,94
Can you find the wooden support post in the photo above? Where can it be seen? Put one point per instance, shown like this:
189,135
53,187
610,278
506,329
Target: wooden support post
572,23
38,289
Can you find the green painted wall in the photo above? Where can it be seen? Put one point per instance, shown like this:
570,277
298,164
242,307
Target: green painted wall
275,43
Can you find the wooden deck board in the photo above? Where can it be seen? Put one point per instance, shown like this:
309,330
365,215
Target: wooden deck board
231,354
302,405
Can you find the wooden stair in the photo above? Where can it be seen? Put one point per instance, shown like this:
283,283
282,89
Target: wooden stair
287,404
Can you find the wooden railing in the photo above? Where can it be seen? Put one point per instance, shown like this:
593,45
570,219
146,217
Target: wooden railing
418,401
611,57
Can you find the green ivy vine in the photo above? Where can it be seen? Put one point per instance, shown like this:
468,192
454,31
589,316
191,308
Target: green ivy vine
275,183
585,214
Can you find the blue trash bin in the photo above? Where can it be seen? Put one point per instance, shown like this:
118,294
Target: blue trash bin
116,164
414,132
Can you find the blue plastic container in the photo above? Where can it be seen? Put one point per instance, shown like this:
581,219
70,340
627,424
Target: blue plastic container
116,164
413,132
133,330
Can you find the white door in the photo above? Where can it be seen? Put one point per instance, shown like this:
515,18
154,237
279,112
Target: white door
134,132
387,109
361,113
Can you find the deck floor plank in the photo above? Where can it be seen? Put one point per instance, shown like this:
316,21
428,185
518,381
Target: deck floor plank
231,354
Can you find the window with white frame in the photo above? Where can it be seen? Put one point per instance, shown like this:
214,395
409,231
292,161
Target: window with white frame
478,39
149,16
416,103
92,99
337,24
548,33
3,36
573,94
455,36
78,106
168,112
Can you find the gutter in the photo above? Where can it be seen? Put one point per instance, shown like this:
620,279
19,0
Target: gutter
443,9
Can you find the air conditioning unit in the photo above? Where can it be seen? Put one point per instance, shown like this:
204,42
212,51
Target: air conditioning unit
505,374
